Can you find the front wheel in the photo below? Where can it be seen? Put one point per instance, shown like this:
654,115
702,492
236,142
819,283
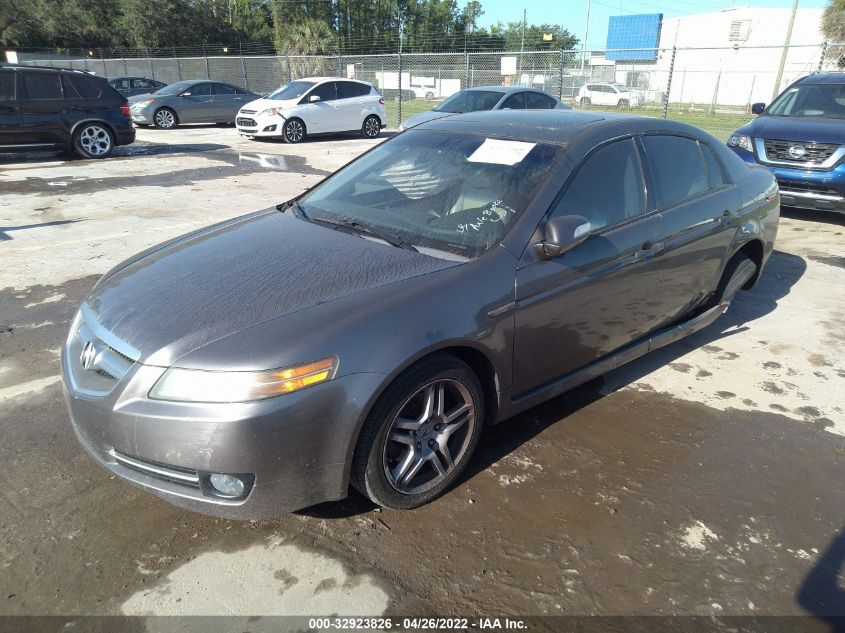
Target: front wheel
293,131
164,118
420,434
93,140
371,127
738,273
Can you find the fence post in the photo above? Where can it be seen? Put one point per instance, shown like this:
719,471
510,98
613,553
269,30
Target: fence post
205,56
178,65
125,69
669,83
466,69
716,93
103,61
287,61
560,77
243,65
400,90
150,62
821,57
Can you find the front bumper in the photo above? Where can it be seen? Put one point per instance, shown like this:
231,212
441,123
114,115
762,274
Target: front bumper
297,446
260,126
806,188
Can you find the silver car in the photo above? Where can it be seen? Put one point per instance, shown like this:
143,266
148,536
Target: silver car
196,101
488,98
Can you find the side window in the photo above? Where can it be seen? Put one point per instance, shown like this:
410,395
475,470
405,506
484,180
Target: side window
515,102
42,85
240,91
69,89
200,90
143,83
223,89
85,86
608,187
676,167
7,85
347,90
121,84
539,101
715,174
326,91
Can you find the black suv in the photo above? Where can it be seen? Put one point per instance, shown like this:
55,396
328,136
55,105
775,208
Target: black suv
46,108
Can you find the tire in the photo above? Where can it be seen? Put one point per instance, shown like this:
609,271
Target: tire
293,131
623,103
429,96
165,119
93,140
585,101
740,270
371,127
387,466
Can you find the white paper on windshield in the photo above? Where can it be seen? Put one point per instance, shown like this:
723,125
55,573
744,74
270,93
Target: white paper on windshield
501,152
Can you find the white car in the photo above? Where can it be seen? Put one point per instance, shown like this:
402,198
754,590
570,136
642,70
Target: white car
611,94
314,105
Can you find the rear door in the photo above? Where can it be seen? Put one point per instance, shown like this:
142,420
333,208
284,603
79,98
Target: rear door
350,104
10,113
196,104
44,109
596,298
698,204
227,102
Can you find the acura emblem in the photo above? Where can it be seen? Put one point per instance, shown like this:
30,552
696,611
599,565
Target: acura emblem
89,353
797,151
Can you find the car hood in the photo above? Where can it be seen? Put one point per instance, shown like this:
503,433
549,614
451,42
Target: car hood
804,129
422,117
213,283
262,104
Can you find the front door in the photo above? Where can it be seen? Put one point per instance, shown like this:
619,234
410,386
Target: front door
10,113
598,297
196,104
323,115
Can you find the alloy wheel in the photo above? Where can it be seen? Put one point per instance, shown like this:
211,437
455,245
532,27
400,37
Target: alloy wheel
294,131
95,140
165,119
372,127
429,436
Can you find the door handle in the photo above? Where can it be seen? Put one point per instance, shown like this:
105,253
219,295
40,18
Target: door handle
649,249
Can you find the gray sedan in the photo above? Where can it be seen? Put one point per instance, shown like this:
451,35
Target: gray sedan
488,98
198,101
365,332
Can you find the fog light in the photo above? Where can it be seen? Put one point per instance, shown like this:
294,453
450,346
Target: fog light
269,128
227,485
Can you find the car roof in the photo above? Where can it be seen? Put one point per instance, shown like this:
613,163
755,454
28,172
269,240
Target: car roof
824,78
321,79
560,127
503,89
131,77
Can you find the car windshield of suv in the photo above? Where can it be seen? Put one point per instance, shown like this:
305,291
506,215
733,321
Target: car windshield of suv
470,101
443,193
173,89
292,90
816,100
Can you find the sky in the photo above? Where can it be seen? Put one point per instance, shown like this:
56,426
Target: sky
570,13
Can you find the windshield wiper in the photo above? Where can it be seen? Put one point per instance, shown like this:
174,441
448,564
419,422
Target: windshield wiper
293,205
354,225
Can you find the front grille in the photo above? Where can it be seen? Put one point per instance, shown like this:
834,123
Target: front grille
787,186
94,362
245,111
814,153
244,122
164,472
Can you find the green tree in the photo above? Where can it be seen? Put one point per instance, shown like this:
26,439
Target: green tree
311,36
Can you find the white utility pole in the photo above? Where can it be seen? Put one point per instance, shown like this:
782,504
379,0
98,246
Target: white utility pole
785,49
586,33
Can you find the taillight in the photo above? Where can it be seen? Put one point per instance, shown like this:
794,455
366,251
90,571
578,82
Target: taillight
124,109
381,101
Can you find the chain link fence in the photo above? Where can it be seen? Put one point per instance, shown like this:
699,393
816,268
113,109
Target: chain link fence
712,88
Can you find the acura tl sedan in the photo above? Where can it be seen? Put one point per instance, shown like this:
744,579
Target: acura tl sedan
367,331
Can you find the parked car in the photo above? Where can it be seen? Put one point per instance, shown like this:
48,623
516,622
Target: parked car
194,101
49,108
131,86
314,105
800,138
609,94
366,331
488,98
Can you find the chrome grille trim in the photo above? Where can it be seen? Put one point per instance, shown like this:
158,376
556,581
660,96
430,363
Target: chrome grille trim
828,163
107,337
159,471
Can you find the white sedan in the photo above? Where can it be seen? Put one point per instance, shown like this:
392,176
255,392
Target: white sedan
314,105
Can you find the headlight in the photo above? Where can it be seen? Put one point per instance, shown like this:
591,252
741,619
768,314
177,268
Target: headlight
142,104
195,385
271,111
742,141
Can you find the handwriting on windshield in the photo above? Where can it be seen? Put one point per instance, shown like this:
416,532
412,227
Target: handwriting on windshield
493,212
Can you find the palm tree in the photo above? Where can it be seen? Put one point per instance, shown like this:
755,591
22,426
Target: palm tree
308,37
833,28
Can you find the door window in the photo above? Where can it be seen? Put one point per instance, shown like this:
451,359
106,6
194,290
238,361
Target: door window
200,90
715,175
608,187
7,86
121,84
42,85
223,89
539,101
69,89
515,102
144,84
85,85
676,167
351,89
326,91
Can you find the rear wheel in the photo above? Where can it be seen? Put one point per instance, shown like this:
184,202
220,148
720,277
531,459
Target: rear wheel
371,127
293,131
93,140
623,103
738,273
585,101
164,118
420,434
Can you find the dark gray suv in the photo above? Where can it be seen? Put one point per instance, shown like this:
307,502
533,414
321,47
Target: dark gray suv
367,331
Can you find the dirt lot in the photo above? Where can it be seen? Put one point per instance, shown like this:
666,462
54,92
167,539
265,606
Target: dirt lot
705,479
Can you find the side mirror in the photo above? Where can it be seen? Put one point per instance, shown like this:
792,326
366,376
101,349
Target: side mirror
562,234
313,98
757,108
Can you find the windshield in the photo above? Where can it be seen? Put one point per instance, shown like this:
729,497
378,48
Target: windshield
173,89
292,90
817,100
470,101
439,191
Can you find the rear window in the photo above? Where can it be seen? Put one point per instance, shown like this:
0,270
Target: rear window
44,85
85,86
538,101
7,85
